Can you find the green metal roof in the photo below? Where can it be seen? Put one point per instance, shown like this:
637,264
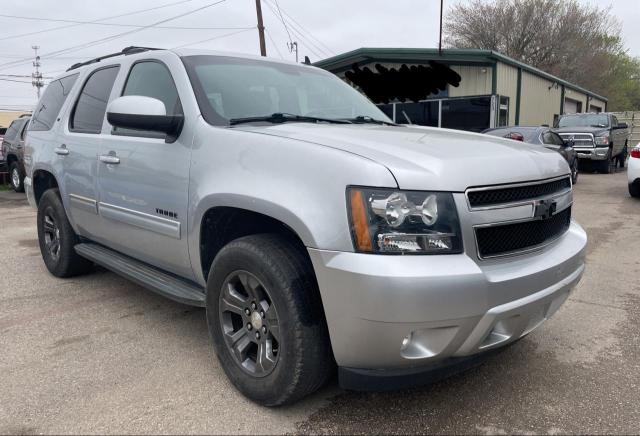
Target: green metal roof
344,61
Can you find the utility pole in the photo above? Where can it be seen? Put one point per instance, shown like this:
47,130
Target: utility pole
36,76
293,47
263,44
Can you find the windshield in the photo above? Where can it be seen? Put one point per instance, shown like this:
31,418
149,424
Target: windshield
594,120
232,88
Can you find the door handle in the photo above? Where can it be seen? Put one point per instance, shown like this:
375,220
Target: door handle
62,150
110,158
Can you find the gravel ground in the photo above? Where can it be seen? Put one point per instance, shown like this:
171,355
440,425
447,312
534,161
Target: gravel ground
97,354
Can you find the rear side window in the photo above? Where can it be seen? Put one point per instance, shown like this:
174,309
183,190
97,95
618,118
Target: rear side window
13,129
151,79
88,114
51,102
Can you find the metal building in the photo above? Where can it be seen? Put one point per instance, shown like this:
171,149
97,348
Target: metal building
493,90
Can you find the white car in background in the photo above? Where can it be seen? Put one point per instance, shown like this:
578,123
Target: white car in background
634,172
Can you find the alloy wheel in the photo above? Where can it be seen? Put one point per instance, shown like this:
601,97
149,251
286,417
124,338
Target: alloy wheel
15,178
250,324
51,236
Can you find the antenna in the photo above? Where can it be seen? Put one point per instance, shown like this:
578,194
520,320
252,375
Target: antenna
36,76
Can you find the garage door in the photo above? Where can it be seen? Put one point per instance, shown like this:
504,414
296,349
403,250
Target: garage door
570,106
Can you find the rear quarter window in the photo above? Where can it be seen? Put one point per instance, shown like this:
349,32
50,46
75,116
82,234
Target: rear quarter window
51,102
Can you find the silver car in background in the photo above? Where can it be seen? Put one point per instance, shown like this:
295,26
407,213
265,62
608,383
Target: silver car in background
316,232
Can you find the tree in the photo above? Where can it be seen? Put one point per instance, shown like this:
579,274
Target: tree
578,43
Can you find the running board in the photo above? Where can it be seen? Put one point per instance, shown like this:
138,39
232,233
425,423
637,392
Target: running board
151,278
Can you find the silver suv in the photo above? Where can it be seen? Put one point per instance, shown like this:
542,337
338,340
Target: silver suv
316,233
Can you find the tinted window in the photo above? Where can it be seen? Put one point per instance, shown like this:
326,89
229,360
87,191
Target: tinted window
13,130
91,106
51,102
152,79
423,113
552,138
473,114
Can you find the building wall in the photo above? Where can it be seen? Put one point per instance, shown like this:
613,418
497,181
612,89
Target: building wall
540,100
475,81
508,86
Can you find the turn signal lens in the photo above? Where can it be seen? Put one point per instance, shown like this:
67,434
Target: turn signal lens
360,222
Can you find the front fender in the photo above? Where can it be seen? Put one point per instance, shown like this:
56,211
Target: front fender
300,184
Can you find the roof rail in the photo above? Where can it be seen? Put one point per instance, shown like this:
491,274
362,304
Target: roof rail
125,52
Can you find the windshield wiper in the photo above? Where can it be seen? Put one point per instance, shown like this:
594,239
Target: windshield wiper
279,117
599,125
365,119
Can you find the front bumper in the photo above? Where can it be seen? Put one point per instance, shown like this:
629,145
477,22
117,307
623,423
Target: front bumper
398,312
595,153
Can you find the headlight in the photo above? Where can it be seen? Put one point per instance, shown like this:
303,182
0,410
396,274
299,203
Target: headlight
403,222
602,140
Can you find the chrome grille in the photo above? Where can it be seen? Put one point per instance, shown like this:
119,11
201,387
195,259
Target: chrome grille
579,139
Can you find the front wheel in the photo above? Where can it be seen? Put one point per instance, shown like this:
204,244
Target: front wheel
608,165
574,172
266,321
57,238
17,179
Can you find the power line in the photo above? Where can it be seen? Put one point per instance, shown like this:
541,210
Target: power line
211,39
294,23
94,23
139,11
283,22
14,80
113,37
311,46
274,44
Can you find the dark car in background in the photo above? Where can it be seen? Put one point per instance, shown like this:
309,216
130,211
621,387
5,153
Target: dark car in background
12,152
544,136
599,139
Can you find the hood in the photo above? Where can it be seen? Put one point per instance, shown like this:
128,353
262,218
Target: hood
594,130
425,158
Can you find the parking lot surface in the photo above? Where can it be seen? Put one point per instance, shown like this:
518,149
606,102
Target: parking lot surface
98,354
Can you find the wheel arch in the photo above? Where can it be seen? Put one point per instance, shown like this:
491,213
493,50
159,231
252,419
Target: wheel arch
224,223
42,180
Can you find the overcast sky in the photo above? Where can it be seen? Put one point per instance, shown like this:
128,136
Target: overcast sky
321,28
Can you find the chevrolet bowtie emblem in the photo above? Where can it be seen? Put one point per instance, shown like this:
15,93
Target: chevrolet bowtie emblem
544,209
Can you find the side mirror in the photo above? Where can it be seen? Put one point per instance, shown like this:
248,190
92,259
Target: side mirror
569,143
144,114
623,126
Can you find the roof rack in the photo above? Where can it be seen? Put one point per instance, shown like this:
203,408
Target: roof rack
125,52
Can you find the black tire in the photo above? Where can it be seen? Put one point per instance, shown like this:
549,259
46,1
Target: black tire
622,159
52,220
634,190
575,172
604,166
16,178
304,360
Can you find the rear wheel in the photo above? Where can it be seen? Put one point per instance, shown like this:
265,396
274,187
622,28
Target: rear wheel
266,320
634,190
57,238
622,158
17,178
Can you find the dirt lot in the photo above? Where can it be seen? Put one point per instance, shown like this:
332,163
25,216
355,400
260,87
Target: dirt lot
98,354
